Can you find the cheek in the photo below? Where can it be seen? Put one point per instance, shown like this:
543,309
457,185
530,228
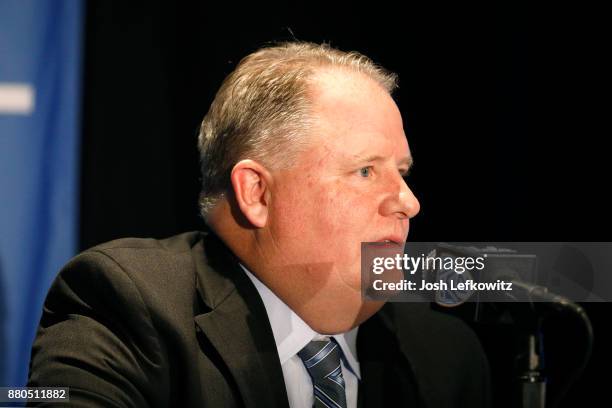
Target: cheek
326,220
340,217
346,220
351,212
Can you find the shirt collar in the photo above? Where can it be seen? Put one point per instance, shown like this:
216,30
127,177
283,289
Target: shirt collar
291,333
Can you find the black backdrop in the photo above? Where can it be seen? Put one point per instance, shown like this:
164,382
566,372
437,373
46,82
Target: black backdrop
496,105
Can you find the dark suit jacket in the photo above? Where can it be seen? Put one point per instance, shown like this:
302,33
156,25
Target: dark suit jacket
142,322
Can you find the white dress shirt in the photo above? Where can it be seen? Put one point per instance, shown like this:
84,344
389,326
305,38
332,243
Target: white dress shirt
291,334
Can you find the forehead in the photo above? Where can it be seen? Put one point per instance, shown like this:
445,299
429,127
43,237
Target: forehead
353,113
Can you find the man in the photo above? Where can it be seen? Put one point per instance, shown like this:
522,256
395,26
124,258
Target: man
303,157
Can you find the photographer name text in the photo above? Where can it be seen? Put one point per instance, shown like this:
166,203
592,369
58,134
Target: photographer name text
468,285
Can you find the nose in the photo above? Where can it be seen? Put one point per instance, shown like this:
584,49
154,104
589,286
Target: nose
401,203
410,205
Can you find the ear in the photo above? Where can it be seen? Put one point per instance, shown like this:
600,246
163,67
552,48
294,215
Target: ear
251,184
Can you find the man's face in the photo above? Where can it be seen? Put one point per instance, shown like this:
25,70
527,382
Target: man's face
345,189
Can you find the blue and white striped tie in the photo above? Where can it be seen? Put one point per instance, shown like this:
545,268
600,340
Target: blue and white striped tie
322,360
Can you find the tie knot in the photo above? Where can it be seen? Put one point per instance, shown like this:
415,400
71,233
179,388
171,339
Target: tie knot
322,360
320,352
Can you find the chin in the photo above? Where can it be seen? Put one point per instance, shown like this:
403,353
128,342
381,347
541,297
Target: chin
342,322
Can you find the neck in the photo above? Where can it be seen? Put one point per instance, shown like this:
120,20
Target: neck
302,287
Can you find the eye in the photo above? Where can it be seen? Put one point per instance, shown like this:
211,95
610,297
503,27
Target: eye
365,171
405,174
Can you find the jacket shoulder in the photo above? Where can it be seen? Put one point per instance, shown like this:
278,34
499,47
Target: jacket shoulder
177,243
150,259
112,317
163,271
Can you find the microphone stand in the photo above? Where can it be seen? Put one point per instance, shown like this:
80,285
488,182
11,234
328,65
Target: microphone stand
530,377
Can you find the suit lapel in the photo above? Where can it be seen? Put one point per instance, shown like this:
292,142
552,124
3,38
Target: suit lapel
237,326
391,355
387,361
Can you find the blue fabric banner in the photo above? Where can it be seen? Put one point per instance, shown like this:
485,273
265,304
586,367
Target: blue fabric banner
40,79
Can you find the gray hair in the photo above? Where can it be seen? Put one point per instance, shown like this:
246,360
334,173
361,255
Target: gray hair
262,110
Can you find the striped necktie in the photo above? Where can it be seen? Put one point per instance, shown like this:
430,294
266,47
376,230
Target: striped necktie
322,360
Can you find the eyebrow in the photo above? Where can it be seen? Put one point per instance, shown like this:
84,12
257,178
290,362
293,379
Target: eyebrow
375,158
